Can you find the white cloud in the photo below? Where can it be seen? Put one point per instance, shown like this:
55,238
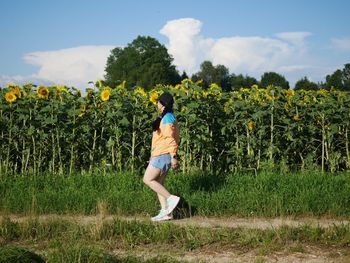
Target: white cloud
249,55
341,44
294,68
72,66
21,80
285,53
182,35
295,38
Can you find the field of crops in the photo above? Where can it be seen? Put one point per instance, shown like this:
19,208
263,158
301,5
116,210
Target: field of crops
57,130
80,155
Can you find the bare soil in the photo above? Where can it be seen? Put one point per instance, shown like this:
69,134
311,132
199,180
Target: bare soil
212,254
211,222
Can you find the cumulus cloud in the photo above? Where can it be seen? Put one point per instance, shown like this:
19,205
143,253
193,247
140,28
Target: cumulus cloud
284,53
182,35
72,66
295,38
21,80
341,44
250,55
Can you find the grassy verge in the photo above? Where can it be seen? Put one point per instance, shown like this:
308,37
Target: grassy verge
66,241
73,253
204,194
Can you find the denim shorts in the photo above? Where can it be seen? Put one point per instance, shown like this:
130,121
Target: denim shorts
162,162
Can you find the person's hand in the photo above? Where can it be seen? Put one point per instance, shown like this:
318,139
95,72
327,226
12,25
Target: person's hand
174,163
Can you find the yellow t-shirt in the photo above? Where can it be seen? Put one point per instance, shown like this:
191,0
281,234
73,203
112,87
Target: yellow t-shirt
167,138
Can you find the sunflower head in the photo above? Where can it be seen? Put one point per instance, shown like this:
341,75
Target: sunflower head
62,89
140,91
251,125
105,94
200,83
296,117
82,110
153,97
89,92
15,89
28,87
43,92
290,92
10,97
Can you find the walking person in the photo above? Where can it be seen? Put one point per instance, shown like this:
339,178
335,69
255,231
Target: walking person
165,143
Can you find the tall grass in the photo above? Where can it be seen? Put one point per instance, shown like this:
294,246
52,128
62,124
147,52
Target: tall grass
72,253
266,194
67,239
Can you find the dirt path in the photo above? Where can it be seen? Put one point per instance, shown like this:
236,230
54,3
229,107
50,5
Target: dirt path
231,222
309,254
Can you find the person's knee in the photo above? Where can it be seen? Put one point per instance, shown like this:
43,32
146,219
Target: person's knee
146,180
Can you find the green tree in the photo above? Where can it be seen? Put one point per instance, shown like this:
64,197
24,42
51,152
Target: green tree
305,84
240,81
213,74
346,76
144,62
339,79
335,80
184,75
275,79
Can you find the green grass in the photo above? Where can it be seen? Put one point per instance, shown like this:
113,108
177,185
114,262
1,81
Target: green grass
267,194
80,253
17,254
68,241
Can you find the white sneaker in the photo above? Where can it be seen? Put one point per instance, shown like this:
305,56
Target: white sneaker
162,216
172,202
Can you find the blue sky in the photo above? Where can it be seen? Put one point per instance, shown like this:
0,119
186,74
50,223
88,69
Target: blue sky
68,42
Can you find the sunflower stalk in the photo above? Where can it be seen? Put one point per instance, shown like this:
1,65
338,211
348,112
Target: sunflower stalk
53,160
119,156
117,152
210,155
248,140
39,160
323,142
34,156
202,159
9,143
237,149
33,141
2,143
72,154
133,143
60,163
347,146
71,163
185,164
27,160
91,157
23,149
259,154
272,126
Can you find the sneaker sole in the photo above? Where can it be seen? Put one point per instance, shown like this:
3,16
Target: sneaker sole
164,218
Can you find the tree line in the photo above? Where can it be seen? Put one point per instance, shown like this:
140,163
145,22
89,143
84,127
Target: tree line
146,62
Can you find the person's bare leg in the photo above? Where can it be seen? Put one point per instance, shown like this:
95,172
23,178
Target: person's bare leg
150,179
162,199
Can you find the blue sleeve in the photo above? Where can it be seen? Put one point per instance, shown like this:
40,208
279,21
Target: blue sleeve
168,118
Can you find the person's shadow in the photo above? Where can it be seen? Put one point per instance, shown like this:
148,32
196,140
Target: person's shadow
183,210
205,182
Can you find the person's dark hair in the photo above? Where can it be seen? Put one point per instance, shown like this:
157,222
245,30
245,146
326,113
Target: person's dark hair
168,102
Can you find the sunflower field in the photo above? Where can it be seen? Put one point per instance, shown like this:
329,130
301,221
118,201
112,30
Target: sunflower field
59,130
